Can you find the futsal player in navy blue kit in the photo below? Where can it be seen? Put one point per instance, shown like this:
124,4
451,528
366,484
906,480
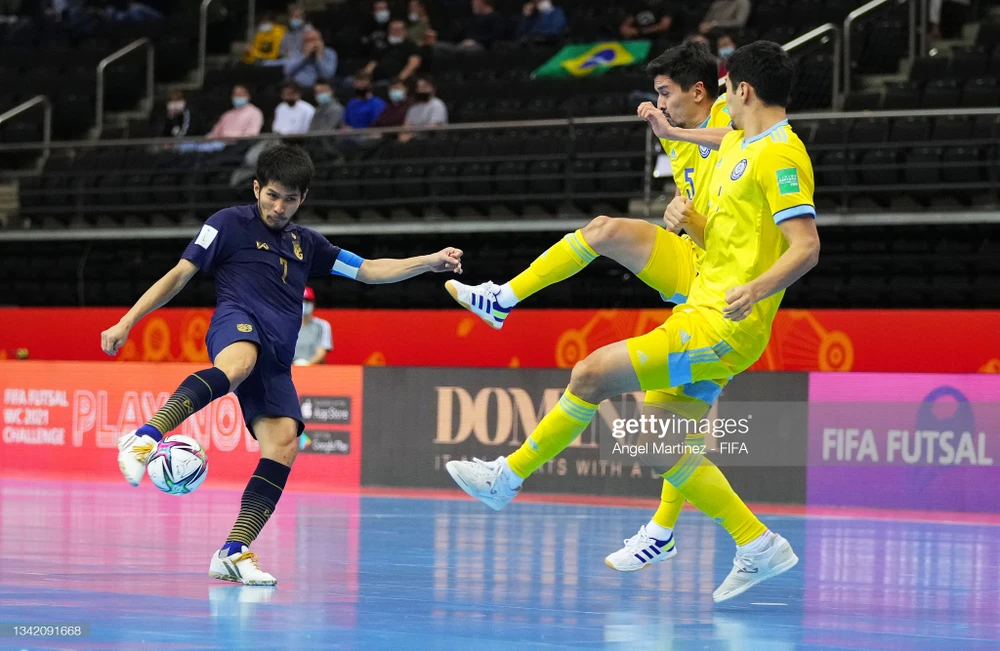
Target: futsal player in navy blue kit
261,261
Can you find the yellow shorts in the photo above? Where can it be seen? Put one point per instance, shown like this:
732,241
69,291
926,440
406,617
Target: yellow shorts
683,364
673,266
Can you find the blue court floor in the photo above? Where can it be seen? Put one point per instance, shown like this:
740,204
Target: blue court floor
388,573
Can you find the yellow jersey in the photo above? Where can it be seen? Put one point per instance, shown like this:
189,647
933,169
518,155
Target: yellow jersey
758,183
693,165
266,45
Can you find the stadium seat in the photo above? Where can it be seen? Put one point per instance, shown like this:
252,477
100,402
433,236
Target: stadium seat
901,96
923,166
930,68
915,129
982,92
941,93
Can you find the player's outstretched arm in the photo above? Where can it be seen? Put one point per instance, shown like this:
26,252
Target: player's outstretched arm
801,256
162,291
392,270
711,138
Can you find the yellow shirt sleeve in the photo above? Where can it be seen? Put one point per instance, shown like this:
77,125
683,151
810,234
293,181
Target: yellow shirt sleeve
719,117
785,175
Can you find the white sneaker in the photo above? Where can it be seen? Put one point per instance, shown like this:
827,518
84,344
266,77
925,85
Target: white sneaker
641,551
133,455
749,569
239,567
487,481
481,300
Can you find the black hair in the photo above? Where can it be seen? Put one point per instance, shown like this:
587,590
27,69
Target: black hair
767,68
293,86
686,65
428,79
290,166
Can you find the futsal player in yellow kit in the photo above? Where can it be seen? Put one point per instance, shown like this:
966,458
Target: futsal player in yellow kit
759,236
690,120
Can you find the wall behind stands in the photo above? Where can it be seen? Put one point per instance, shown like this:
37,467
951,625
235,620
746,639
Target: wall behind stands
924,341
928,442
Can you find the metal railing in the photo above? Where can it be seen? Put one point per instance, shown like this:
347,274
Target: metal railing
46,125
866,10
108,60
824,34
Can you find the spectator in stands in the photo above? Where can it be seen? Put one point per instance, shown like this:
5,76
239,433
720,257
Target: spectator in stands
725,45
418,23
266,42
541,21
428,111
178,121
242,121
399,103
651,19
485,27
398,59
329,114
725,14
315,336
294,43
364,108
293,116
316,63
377,31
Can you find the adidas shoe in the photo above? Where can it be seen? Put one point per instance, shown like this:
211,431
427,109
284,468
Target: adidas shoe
481,300
239,567
750,568
641,551
490,482
133,455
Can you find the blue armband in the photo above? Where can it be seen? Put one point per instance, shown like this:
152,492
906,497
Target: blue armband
347,265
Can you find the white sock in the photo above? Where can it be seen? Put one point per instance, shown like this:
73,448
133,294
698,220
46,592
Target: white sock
758,544
512,477
658,532
507,297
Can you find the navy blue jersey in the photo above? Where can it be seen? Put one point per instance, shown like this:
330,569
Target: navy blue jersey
262,272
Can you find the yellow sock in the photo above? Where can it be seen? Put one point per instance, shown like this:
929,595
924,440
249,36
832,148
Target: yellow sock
559,428
563,259
671,500
702,483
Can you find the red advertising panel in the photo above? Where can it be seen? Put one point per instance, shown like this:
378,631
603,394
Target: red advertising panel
802,340
61,420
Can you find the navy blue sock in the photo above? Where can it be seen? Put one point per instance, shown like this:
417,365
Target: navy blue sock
259,501
194,393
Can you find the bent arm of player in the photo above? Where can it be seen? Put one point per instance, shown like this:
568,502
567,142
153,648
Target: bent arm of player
801,256
708,137
162,291
681,215
392,270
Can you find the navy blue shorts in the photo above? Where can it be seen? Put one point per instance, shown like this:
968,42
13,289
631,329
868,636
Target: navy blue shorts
269,390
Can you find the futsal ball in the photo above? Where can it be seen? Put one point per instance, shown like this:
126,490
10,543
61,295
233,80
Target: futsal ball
178,466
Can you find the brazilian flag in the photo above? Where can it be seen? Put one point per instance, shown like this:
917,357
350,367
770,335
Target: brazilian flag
593,58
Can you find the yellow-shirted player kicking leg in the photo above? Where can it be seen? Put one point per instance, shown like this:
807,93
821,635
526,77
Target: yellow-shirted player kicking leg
690,119
759,237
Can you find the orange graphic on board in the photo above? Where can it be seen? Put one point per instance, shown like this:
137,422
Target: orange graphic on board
799,341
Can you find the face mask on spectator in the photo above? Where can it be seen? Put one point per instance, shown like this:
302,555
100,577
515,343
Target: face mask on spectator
724,52
414,17
323,98
240,101
397,95
396,40
295,23
382,16
307,309
175,107
545,6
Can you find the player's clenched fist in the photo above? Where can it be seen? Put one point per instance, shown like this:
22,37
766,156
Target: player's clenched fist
657,120
677,213
114,338
740,302
449,259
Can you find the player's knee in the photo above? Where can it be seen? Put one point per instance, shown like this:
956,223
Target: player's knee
281,446
600,231
585,380
237,363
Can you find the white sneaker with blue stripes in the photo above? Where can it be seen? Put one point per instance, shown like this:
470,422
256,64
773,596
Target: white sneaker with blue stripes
481,300
641,551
